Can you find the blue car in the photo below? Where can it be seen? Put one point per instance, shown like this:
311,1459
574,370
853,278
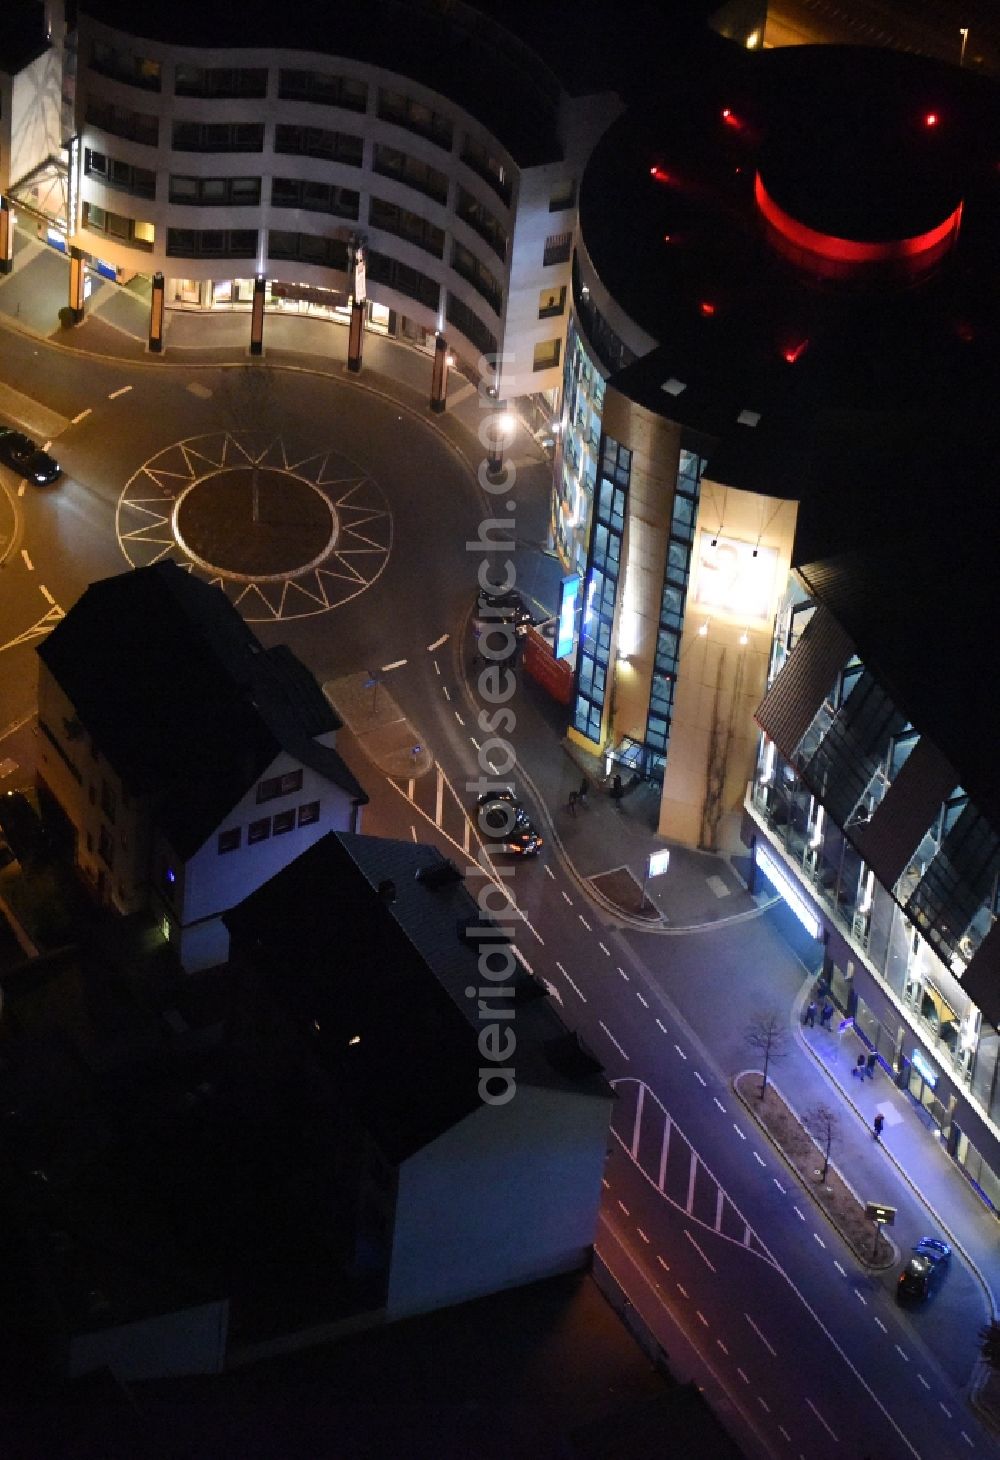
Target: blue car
925,1270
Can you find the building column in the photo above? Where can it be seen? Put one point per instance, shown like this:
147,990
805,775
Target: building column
257,316
6,237
355,335
156,315
77,276
439,375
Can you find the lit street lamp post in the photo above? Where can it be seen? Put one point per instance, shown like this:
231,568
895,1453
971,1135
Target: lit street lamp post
963,31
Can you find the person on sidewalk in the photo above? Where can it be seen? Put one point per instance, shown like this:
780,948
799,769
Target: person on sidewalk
809,1017
877,1125
826,1014
870,1064
859,1067
582,793
571,803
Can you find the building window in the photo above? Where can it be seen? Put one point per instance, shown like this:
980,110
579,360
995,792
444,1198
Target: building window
316,197
406,280
551,302
464,262
666,659
120,122
282,822
404,224
106,848
219,81
546,355
208,192
404,111
557,248
283,785
212,243
259,831
468,322
482,161
307,248
308,813
218,137
132,231
316,142
124,66
479,217
593,667
229,841
321,87
122,176
390,162
563,196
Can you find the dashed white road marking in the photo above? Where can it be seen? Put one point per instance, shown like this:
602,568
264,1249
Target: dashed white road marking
46,594
759,1159
475,742
741,1134
459,719
841,1270
719,1104
880,1323
763,1338
571,983
413,831
642,1001
605,951
764,1405
613,1039
623,973
567,898
743,1376
967,1440
682,1291
81,417
785,1433
549,872
945,1408
723,1347
822,1421
861,1297
819,1239
521,958
27,561
700,1315
778,1185
122,390
902,1353
701,1079
623,1206
923,1381
437,643
446,693
584,922
680,1052
661,1026
664,1265
643,1235
798,1214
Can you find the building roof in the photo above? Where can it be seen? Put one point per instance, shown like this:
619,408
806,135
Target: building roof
22,34
364,934
178,694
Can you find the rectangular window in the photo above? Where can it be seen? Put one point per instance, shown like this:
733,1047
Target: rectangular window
215,191
132,231
259,831
405,111
546,354
404,224
283,785
402,277
390,162
557,248
106,848
317,142
324,89
229,841
310,248
218,137
467,320
220,81
120,122
464,262
479,217
308,813
551,302
487,166
212,243
139,181
282,822
563,196
316,197
124,66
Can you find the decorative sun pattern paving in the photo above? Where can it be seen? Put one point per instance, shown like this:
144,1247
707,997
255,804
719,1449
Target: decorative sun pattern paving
284,536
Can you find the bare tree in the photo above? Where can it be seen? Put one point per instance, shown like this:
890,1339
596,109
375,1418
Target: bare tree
823,1124
246,398
768,1036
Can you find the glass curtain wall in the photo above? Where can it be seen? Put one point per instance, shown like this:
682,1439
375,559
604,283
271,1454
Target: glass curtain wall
575,474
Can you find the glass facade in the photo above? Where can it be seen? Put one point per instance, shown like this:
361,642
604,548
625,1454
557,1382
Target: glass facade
575,478
915,938
600,590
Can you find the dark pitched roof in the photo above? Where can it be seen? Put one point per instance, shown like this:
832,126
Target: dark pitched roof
180,696
22,34
393,969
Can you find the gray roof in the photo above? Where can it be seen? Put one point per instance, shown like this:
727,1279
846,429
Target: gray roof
394,969
182,699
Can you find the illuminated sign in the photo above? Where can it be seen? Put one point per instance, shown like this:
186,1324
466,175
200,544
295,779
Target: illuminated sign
735,578
569,592
923,1068
658,862
360,284
784,885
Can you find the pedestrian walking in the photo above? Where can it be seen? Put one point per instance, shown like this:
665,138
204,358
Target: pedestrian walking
878,1123
870,1064
826,1014
616,791
859,1067
582,793
810,1015
571,803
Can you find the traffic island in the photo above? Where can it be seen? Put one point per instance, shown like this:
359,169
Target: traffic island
832,1194
378,724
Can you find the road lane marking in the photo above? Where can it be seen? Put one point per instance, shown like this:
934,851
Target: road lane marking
622,972
661,1026
550,872
122,390
642,1001
21,486
567,898
819,1239
521,958
682,1291
692,1178
720,1104
570,982
613,1039
410,785
459,719
720,1206
798,1214
46,594
475,742
923,1381
785,1433
643,1235
723,1347
680,1052
822,1421
584,922
778,1185
701,1316
623,1206
27,561
81,417
743,1376
764,1340
637,1122
605,1183
446,694
860,1297
664,1265
839,1268
413,831
967,1440
437,668
880,1323
764,1404
759,1159
700,1078
710,1265
945,1408
902,1354
606,951
740,1133
396,664
437,643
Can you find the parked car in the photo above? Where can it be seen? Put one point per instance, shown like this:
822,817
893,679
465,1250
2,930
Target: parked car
502,817
493,608
21,826
925,1270
22,455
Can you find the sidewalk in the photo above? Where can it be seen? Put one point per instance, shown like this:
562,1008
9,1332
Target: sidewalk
605,844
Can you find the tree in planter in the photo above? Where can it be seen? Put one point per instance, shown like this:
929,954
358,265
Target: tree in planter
823,1124
768,1036
989,1345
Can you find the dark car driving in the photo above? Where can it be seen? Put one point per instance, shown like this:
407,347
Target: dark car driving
924,1271
501,608
22,455
502,817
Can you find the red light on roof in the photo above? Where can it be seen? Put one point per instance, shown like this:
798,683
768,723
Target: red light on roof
931,119
707,308
660,174
794,351
666,238
729,119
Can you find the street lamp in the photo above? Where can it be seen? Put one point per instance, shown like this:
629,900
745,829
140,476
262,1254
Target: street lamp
963,31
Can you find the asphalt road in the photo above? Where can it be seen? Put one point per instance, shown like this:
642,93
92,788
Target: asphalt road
724,1255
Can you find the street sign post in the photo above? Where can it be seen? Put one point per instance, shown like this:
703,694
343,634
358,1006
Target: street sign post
656,864
882,1216
372,683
